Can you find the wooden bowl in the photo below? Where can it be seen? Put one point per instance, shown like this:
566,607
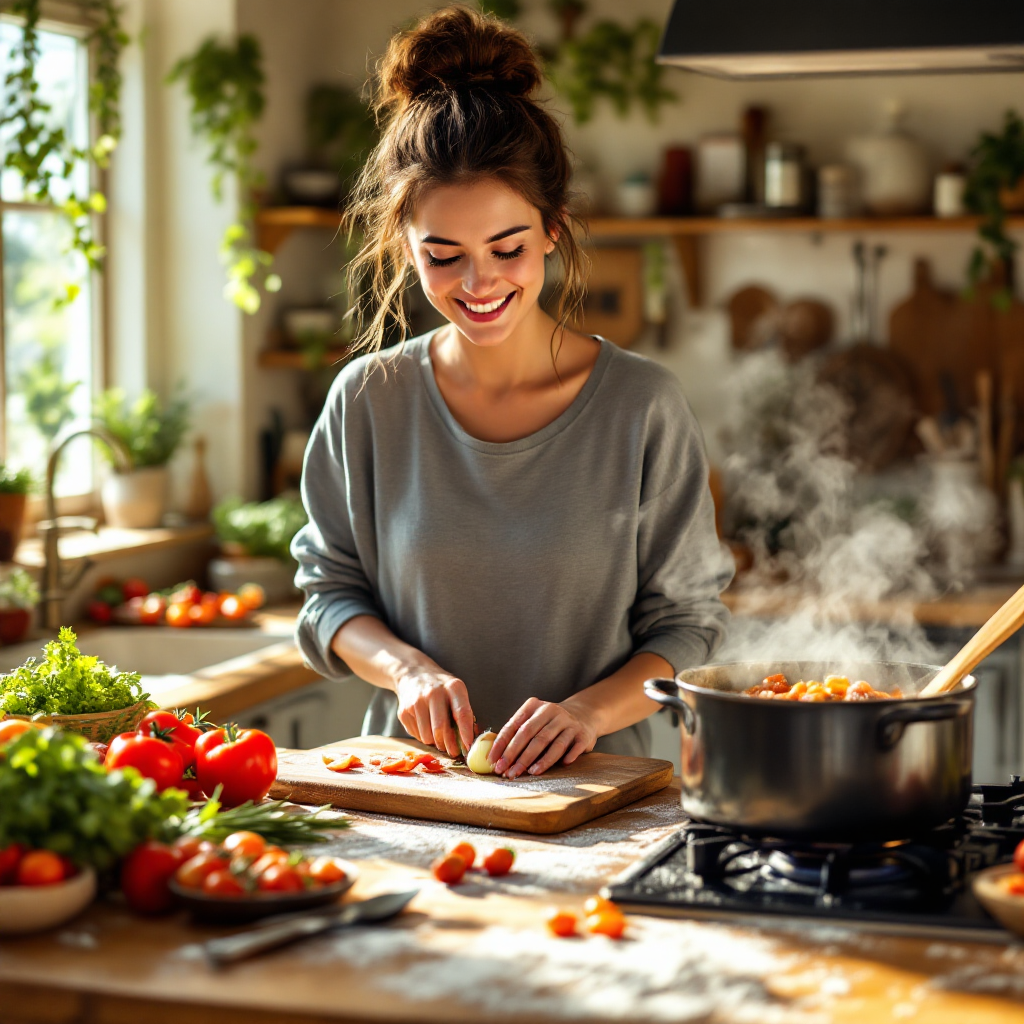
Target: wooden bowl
34,908
1006,908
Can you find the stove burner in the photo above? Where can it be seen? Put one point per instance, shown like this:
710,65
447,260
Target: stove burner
806,867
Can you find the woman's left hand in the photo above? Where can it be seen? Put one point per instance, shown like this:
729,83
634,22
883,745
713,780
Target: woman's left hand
539,734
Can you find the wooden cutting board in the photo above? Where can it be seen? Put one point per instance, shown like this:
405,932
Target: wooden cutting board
560,799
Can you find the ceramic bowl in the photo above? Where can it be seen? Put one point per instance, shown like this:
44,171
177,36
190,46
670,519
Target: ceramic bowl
34,908
240,909
1006,908
316,187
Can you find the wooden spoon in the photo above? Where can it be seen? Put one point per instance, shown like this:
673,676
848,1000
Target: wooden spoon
1003,624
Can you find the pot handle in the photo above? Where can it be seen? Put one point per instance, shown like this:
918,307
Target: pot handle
892,724
666,693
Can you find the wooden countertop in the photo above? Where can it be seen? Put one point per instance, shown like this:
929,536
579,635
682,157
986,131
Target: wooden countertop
480,951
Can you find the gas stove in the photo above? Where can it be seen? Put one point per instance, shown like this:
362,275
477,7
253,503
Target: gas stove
917,886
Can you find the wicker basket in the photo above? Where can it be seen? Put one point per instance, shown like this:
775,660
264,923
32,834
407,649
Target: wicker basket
98,727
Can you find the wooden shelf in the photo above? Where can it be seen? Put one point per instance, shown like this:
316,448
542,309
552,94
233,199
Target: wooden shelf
294,359
275,223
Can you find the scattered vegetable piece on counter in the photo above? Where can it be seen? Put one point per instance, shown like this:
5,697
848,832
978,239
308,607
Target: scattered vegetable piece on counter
611,923
561,922
499,861
598,905
243,762
449,869
343,763
466,852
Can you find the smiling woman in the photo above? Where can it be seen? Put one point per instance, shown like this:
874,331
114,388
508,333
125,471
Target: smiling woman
510,524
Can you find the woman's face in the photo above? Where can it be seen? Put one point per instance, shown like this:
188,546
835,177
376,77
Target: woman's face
479,250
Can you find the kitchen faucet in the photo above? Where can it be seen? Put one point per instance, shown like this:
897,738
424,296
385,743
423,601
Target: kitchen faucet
55,583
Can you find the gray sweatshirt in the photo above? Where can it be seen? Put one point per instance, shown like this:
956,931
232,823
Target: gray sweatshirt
532,568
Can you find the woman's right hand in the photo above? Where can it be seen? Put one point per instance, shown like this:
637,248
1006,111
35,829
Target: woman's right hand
429,701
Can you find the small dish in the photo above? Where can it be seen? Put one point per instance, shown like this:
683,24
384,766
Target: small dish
1006,908
240,909
34,908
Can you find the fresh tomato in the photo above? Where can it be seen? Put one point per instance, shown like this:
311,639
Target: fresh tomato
99,611
134,587
271,856
449,869
189,846
561,922
166,725
153,608
244,844
10,857
1018,854
12,728
156,759
499,862
243,761
145,874
326,870
397,765
1013,884
232,608
40,867
202,614
342,763
466,852
100,750
187,593
223,883
194,871
252,596
607,922
599,905
130,613
177,614
280,878
428,761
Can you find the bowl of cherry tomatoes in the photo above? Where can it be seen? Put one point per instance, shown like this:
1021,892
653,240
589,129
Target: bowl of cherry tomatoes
244,878
40,890
1000,890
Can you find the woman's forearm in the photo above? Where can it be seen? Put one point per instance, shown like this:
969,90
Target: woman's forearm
618,701
375,654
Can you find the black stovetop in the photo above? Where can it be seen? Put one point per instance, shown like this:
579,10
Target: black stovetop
918,886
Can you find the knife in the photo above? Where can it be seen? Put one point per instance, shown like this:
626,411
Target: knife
233,948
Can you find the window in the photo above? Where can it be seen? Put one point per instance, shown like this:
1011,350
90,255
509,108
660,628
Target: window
49,354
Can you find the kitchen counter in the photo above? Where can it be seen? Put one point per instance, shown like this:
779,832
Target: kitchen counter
479,951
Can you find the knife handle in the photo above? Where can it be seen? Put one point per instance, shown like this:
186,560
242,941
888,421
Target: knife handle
233,948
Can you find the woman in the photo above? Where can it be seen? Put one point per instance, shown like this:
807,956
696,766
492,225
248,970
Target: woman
510,525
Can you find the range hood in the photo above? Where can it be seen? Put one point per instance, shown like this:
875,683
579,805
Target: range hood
789,38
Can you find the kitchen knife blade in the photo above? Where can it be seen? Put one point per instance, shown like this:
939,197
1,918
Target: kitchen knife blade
233,948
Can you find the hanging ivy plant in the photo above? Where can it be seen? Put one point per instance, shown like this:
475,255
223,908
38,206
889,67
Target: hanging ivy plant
225,85
41,152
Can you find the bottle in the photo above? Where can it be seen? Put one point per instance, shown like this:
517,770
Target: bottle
200,500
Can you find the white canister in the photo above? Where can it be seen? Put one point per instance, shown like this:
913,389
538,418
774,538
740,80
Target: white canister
721,171
637,196
948,194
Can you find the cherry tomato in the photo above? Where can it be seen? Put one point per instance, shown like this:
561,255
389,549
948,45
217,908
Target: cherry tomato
177,614
99,611
166,724
280,878
326,870
252,596
189,846
598,905
449,869
187,593
202,614
195,870
40,867
12,728
243,761
1018,854
1014,885
245,844
607,922
499,862
273,855
232,608
561,922
223,883
134,587
145,874
153,608
466,852
130,612
10,857
153,758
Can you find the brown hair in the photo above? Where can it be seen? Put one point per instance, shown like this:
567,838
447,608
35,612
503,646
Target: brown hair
453,96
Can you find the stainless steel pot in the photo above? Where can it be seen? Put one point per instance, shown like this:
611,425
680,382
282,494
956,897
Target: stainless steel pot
884,769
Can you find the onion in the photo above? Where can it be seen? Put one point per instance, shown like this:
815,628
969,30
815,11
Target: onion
476,759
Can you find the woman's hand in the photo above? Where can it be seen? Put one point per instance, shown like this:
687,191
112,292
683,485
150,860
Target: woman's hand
428,701
538,735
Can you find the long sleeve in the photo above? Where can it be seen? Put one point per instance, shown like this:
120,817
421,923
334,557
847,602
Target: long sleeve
332,564
682,568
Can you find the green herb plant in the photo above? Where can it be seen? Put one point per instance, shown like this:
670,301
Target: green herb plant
36,145
269,819
997,165
18,591
262,528
225,84
47,394
67,682
15,481
150,429
55,795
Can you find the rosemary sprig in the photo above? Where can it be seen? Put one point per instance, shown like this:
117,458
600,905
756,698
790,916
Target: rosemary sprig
269,819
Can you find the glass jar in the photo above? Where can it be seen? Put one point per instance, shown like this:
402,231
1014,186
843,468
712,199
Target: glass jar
784,176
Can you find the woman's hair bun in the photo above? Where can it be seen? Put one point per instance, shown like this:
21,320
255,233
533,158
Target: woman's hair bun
457,48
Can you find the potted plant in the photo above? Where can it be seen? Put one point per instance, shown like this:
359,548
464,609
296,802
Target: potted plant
19,596
14,488
151,431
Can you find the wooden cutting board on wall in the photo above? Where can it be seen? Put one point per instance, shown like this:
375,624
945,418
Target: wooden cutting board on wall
560,799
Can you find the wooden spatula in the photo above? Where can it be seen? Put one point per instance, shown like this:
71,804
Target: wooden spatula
1003,624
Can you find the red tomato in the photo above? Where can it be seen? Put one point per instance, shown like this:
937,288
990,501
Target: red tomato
99,611
145,874
129,612
243,761
232,608
245,844
397,765
499,862
100,750
189,846
449,869
10,857
177,614
153,758
607,922
466,852
187,593
1018,854
194,871
202,614
1014,885
191,787
12,728
273,855
223,883
134,587
342,763
280,878
561,922
167,725
40,867
153,608
326,870
252,596
599,905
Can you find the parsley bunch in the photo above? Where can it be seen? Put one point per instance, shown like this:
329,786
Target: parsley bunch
67,682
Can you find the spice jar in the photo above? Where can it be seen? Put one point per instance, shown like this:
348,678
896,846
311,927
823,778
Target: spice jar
837,191
784,178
